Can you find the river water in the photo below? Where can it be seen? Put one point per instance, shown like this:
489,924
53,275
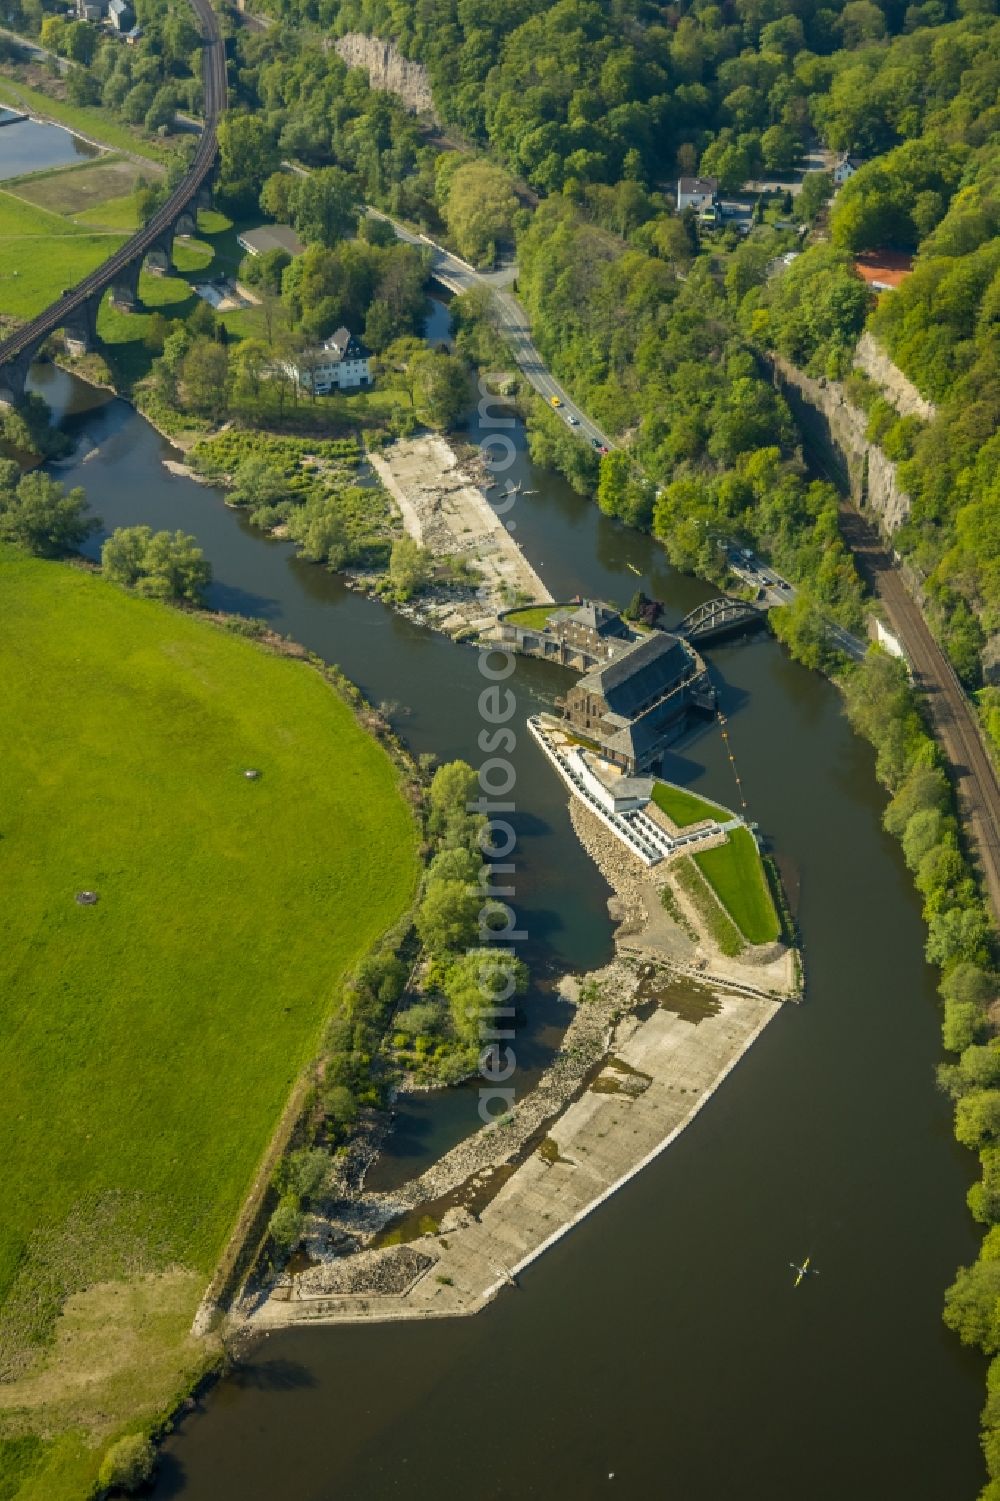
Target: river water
31,145
659,1349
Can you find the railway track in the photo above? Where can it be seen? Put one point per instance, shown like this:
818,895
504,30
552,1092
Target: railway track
215,84
952,716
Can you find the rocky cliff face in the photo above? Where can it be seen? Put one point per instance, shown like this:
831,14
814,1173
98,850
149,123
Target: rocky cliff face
388,69
838,429
898,389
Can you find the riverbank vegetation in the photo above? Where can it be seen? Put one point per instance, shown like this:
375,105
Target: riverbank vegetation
305,489
438,1035
38,516
138,1111
962,944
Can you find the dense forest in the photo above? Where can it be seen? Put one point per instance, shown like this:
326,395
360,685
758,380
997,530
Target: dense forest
599,107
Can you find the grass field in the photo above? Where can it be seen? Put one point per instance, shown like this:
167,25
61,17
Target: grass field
20,219
112,213
532,615
40,253
148,1043
736,875
77,189
718,924
683,807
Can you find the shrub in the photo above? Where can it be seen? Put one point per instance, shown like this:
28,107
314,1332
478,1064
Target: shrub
961,1023
285,1224
972,1303
128,1464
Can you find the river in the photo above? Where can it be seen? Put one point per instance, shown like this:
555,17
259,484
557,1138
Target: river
33,145
659,1349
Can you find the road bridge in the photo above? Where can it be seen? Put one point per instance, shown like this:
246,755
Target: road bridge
75,311
716,618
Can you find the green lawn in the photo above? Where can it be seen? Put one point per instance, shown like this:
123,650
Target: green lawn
536,616
148,1043
40,253
113,213
736,875
683,807
19,218
79,188
718,924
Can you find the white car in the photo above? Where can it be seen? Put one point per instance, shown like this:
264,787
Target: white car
573,421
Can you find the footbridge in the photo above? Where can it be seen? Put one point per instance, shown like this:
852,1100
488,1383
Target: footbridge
717,618
75,311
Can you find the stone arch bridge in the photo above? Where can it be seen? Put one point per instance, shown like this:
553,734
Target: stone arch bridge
75,311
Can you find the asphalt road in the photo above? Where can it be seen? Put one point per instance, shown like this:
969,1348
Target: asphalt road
459,276
778,591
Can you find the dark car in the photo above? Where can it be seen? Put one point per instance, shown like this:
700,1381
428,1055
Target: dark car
596,442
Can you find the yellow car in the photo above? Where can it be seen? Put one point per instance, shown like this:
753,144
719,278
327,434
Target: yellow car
555,401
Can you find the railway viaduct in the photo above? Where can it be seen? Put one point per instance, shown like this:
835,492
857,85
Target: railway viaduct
75,311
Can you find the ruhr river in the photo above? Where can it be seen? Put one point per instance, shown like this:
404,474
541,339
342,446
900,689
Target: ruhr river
658,1350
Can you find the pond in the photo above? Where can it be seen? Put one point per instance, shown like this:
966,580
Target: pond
34,145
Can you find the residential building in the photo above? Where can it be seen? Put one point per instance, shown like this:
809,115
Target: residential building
342,362
121,15
845,166
90,10
699,193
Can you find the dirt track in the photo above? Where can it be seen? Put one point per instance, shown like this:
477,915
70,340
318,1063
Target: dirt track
952,716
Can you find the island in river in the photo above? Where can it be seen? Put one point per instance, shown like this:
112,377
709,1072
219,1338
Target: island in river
653,1035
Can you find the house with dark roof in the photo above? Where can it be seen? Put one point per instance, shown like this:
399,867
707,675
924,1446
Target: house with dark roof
634,705
579,634
339,363
270,237
699,193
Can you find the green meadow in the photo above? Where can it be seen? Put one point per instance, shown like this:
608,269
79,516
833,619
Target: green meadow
41,252
683,807
148,1043
736,874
